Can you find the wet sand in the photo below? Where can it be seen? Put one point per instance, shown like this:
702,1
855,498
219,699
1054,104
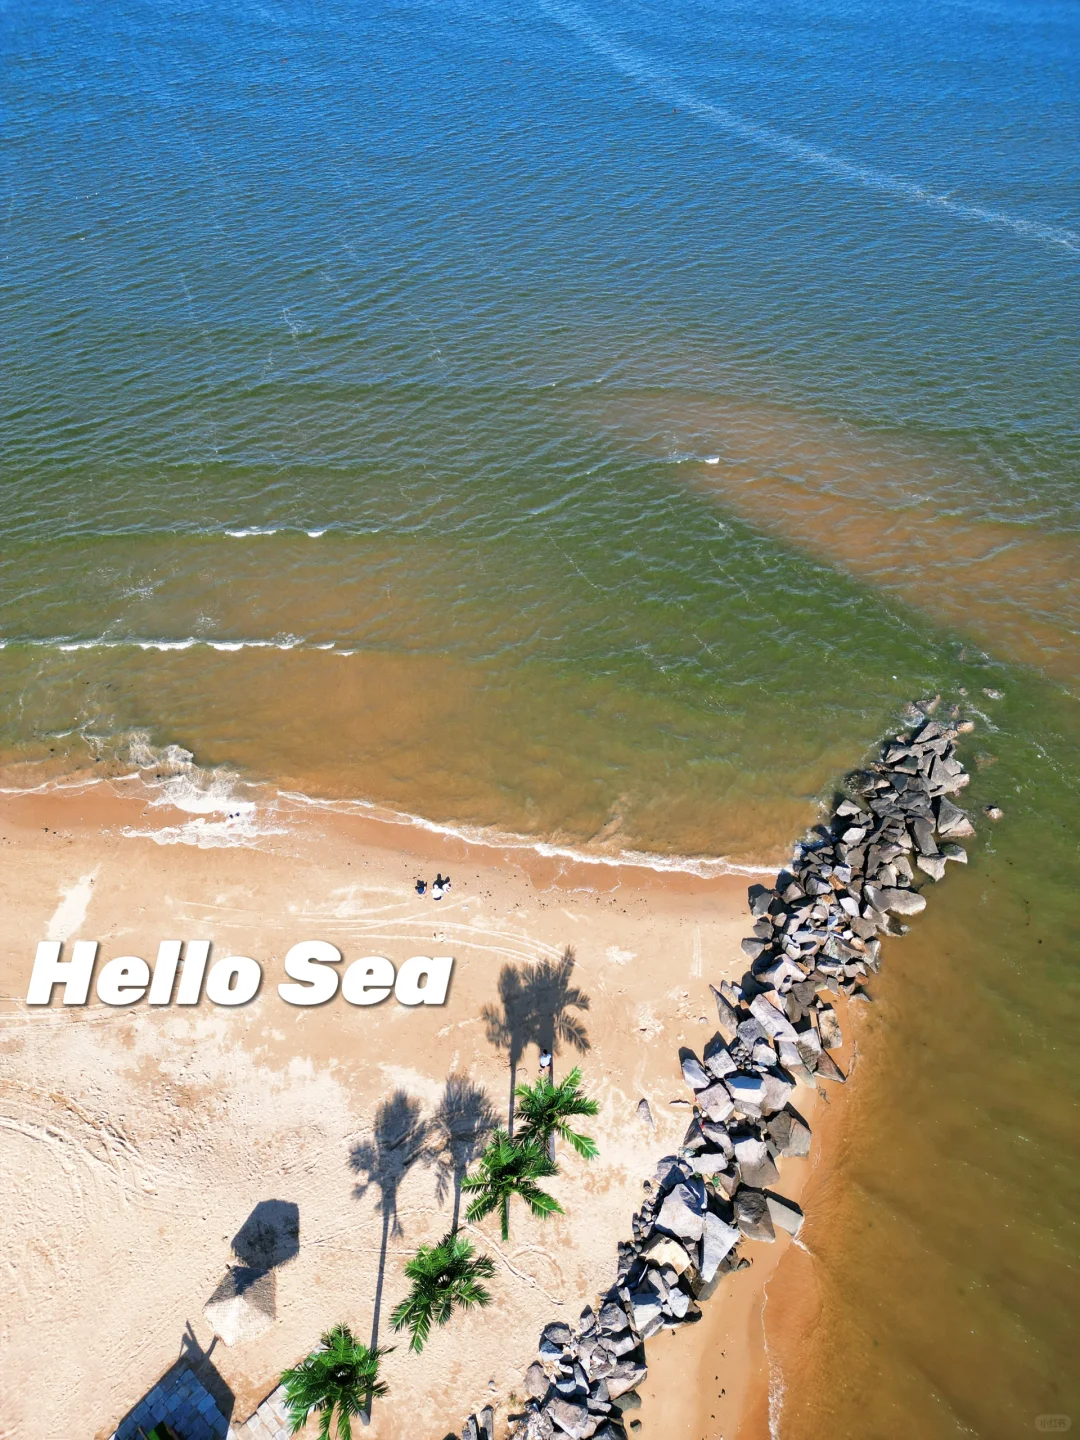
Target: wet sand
136,1142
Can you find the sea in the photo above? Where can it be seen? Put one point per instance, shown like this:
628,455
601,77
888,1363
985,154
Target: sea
593,423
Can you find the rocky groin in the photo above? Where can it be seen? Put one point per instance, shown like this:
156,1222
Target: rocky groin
816,936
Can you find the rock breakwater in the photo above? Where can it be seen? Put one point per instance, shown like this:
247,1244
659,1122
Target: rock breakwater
816,937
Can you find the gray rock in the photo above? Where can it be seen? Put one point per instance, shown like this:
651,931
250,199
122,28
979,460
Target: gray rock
756,1165
716,1242
646,1305
779,1089
557,1334
612,1319
784,1213
664,1250
487,1423
630,1401
728,1018
790,1134
708,1164
718,1059
678,1302
715,1102
752,947
717,1135
571,1417
645,1114
607,1431
669,1171
952,822
775,1025
629,1373
808,1043
752,1215
955,852
746,1090
902,902
993,812
828,1069
932,865
681,1213
829,1031
923,831
536,1381
470,1430
694,1074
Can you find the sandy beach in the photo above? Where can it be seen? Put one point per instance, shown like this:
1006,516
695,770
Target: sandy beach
137,1143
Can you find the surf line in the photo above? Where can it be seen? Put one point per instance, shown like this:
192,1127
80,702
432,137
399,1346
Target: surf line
634,66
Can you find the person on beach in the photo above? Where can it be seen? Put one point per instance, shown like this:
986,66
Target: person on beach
545,1062
438,888
421,887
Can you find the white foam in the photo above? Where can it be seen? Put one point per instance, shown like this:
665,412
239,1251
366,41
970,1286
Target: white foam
166,644
633,65
254,530
704,867
315,534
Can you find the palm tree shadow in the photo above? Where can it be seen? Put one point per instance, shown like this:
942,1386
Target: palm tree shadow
536,1008
398,1140
465,1117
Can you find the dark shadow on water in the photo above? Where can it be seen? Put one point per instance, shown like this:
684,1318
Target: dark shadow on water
398,1140
457,1133
536,1005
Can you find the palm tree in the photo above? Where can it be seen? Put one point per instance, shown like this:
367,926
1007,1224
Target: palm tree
545,1108
443,1276
537,1008
342,1376
508,1169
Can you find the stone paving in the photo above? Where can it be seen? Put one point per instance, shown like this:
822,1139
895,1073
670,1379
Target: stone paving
185,1403
269,1422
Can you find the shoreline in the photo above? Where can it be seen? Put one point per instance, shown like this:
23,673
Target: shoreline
156,1108
673,1381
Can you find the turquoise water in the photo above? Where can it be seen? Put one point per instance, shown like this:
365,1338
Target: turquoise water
588,421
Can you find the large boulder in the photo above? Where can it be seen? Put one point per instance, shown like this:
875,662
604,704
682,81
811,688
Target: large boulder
716,1242
628,1375
571,1417
789,1133
716,1102
536,1381
694,1073
726,1014
775,1025
746,1090
784,1213
902,902
752,1215
756,1165
663,1250
829,1031
952,822
647,1311
682,1213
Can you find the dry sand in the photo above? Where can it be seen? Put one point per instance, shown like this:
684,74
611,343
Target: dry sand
135,1143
